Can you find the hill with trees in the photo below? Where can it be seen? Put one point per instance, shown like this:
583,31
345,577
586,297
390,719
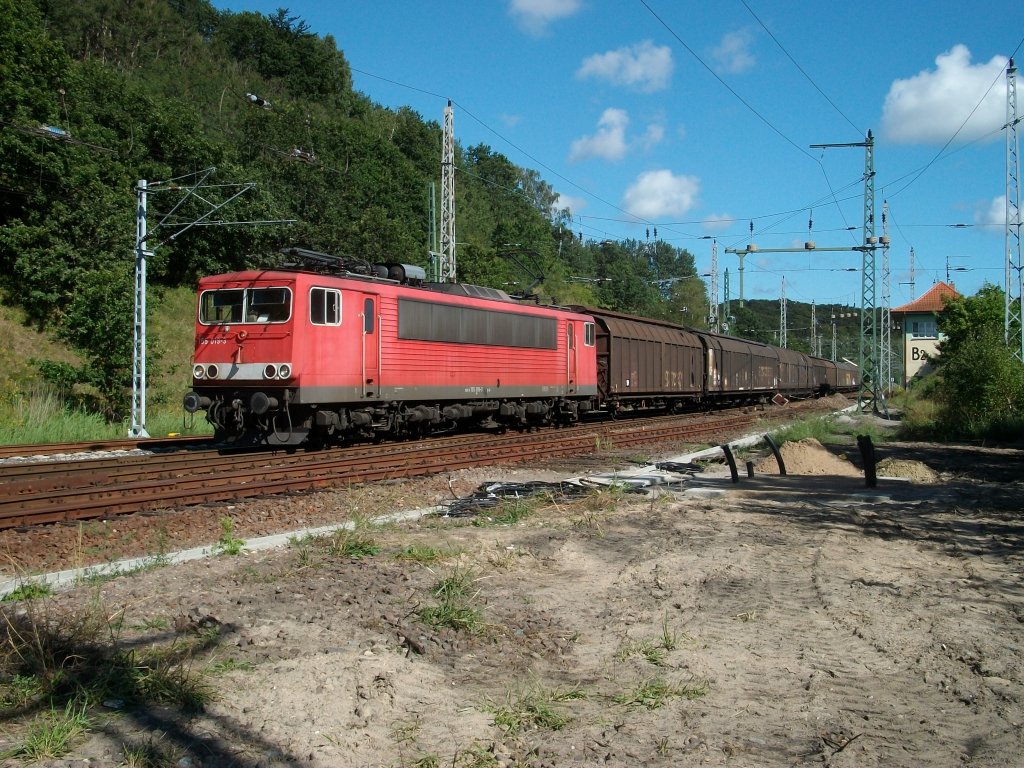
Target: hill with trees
760,320
96,95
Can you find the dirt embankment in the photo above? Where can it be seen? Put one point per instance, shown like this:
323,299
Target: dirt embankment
790,620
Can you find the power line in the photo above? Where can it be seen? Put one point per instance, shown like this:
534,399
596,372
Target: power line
956,133
463,109
801,69
728,87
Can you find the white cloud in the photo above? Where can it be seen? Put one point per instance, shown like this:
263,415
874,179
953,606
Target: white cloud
652,136
661,193
645,67
569,203
535,15
717,222
930,107
995,214
732,55
610,141
510,120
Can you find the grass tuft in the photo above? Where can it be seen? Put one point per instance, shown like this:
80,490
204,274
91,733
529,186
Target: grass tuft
454,594
354,544
151,753
530,710
52,732
73,659
511,511
655,692
29,590
422,553
228,543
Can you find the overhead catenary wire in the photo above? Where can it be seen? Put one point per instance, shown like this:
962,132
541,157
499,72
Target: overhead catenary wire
860,132
726,85
921,171
628,218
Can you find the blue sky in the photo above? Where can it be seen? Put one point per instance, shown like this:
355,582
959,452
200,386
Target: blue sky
698,119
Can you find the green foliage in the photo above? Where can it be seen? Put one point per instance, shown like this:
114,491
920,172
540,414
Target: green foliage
919,408
455,594
66,662
353,544
158,90
980,389
510,511
44,416
228,543
51,733
758,319
422,553
821,429
655,692
231,665
530,709
30,590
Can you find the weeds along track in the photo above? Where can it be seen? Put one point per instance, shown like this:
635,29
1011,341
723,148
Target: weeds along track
36,493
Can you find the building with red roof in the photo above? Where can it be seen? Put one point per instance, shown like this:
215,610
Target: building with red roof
921,335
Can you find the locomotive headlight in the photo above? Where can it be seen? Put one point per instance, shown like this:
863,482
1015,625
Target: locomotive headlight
284,371
211,371
198,371
270,371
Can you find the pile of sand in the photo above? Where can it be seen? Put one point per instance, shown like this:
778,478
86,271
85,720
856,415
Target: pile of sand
914,471
807,457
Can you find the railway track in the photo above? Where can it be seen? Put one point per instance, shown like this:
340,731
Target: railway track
35,450
41,492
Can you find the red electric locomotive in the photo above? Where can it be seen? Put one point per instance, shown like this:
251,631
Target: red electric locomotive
315,352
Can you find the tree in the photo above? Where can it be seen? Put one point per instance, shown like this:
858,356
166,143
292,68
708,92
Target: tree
981,388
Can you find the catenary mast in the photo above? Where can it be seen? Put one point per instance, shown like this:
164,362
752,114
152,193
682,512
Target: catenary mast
446,267
1013,329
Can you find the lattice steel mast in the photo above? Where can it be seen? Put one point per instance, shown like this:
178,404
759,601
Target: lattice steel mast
137,427
713,318
1013,329
814,329
446,262
868,362
782,315
726,309
144,188
913,275
886,351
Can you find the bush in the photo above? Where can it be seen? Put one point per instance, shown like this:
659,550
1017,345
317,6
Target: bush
982,389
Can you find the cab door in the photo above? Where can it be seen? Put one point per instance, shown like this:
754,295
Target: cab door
370,352
571,362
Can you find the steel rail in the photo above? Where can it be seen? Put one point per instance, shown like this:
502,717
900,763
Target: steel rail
43,450
104,493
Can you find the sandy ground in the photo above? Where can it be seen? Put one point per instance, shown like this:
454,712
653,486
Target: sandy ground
796,620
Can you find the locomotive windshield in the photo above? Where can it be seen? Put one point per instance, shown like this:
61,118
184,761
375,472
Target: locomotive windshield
245,305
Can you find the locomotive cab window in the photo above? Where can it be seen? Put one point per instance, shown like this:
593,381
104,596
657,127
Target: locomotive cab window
251,305
216,307
324,306
268,305
588,334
